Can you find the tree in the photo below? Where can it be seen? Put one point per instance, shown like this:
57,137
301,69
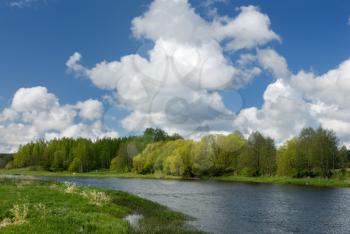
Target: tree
326,146
343,159
184,148
201,154
286,158
306,155
311,153
259,156
75,165
144,162
58,160
120,164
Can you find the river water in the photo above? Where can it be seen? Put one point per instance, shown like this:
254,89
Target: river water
220,207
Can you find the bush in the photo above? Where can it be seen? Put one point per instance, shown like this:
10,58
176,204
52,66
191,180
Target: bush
75,165
120,164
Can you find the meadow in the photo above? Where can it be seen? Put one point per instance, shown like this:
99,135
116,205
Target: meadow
28,206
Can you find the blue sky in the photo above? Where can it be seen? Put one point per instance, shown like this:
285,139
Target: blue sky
38,37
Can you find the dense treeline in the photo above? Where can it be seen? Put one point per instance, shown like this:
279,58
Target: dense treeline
82,155
314,152
4,159
212,156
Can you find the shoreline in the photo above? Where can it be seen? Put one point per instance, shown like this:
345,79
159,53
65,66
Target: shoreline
49,207
315,182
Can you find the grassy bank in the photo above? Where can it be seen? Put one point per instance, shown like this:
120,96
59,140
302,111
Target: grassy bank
42,207
332,182
104,173
287,180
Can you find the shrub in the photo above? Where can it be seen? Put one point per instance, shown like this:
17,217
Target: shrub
19,213
96,198
70,188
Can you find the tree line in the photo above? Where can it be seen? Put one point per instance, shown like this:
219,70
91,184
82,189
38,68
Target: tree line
83,155
4,159
314,152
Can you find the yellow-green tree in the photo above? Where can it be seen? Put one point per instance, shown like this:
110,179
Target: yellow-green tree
286,158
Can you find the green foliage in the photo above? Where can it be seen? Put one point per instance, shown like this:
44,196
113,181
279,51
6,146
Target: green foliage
75,165
5,159
40,207
82,155
315,152
213,155
287,158
120,164
312,153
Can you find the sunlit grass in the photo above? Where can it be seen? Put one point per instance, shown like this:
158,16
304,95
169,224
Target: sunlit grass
333,182
42,207
336,181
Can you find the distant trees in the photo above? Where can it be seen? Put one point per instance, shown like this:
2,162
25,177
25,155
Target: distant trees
287,159
82,155
218,154
5,159
314,152
259,156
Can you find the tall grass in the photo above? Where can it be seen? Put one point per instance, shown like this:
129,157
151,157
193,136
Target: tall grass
66,208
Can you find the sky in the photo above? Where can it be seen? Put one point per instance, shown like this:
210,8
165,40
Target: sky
113,68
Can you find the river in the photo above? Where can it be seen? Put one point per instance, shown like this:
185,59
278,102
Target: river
221,207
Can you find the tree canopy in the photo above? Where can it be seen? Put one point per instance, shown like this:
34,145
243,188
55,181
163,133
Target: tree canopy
314,152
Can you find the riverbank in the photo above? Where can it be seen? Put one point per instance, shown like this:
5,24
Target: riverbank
103,174
28,206
320,182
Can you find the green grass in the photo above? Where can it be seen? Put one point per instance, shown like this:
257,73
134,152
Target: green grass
321,182
51,209
102,173
332,182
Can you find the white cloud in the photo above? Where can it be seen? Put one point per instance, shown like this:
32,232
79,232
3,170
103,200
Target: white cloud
249,29
90,109
176,86
209,3
33,99
37,114
283,114
295,101
330,88
74,66
274,63
23,3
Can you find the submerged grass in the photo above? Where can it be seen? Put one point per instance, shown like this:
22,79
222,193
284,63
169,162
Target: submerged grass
43,207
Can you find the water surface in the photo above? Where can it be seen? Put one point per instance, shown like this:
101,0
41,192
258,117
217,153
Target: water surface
220,207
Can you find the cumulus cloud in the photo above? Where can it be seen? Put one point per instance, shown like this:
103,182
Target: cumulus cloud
90,109
37,114
283,114
249,29
270,60
176,84
295,101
